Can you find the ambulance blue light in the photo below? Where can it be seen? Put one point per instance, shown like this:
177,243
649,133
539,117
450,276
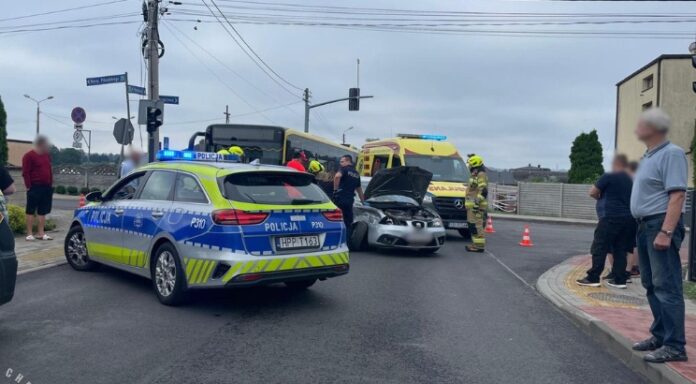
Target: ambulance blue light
422,137
172,155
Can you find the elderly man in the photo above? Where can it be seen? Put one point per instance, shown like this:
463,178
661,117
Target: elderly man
38,179
657,202
134,160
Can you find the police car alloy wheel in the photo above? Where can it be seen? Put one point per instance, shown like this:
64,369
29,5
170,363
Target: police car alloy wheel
76,250
167,276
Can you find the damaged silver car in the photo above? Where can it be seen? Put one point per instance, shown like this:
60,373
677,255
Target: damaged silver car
393,215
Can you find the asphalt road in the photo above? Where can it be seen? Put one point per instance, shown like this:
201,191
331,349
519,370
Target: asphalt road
396,318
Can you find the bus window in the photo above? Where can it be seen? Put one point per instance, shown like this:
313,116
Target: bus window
379,163
258,142
396,161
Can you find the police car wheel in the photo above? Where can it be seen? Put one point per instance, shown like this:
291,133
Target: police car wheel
75,248
300,284
358,237
167,276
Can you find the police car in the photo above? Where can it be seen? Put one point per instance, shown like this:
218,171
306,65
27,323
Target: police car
201,220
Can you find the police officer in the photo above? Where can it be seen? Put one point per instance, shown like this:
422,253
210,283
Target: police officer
346,182
476,204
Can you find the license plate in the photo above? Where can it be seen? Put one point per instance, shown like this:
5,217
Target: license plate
296,242
457,225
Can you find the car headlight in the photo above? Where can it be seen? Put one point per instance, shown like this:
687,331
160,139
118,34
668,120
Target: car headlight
437,223
428,198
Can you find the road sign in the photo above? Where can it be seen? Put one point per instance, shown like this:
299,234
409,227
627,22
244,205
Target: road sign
169,99
106,79
123,132
137,90
78,115
77,144
144,105
77,135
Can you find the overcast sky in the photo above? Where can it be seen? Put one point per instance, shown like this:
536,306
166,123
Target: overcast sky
514,100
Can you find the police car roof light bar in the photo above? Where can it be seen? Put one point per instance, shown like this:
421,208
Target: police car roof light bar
422,137
174,155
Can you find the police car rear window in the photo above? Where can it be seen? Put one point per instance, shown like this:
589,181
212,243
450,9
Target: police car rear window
280,188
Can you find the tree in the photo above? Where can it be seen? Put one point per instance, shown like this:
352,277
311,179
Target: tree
3,134
585,159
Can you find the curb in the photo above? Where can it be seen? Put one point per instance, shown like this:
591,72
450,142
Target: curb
541,219
614,342
45,266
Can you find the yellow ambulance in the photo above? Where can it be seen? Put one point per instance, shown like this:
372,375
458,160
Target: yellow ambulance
434,153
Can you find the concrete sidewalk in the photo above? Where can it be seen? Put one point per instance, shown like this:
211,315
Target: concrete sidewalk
38,254
616,318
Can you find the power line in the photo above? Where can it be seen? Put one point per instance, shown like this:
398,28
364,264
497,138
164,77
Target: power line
80,26
63,10
237,115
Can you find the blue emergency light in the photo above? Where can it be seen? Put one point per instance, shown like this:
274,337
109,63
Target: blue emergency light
422,137
172,155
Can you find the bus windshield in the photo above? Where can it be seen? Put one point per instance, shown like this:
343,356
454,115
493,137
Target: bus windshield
259,142
443,168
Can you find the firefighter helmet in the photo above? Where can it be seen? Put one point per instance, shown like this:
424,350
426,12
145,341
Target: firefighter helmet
474,161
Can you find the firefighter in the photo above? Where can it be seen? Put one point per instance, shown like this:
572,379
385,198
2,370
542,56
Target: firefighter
476,204
233,150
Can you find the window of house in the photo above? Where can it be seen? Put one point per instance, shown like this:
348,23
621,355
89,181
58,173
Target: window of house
647,105
647,83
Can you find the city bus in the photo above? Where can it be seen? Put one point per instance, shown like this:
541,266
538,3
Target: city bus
273,145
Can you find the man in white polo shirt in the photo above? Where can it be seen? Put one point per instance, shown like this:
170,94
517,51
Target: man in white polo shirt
657,202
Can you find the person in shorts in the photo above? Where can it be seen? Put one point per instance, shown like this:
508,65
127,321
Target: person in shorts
38,178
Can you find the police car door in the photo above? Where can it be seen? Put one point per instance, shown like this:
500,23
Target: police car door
103,222
143,217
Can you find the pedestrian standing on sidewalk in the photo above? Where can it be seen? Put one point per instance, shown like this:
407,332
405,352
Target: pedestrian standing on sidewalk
632,267
615,227
657,203
38,178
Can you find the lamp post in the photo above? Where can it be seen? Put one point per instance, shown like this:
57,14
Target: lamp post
38,109
344,134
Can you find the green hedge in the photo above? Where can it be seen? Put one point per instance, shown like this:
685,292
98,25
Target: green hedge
72,190
60,189
18,220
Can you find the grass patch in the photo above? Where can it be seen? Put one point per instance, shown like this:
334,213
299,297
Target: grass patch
690,290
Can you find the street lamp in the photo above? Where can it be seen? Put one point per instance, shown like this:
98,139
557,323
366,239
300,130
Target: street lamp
344,134
38,109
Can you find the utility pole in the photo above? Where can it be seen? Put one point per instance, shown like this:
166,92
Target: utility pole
227,114
152,56
306,109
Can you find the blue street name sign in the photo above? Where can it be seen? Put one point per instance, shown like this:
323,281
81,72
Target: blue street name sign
106,79
135,89
169,99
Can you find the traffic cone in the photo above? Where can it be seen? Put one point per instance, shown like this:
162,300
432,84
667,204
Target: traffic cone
82,201
489,225
526,239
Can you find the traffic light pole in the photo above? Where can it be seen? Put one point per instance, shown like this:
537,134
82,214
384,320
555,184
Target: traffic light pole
308,106
153,70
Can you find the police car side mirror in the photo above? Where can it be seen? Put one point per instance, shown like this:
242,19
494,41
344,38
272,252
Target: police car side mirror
94,197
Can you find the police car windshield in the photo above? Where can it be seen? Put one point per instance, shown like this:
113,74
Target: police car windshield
278,188
443,168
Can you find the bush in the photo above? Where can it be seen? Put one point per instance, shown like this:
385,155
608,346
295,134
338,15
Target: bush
84,190
95,189
18,220
72,190
60,190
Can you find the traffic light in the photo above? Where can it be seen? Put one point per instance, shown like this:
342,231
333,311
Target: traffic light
154,119
354,102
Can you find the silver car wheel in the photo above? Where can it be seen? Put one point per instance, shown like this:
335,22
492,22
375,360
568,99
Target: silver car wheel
165,273
77,249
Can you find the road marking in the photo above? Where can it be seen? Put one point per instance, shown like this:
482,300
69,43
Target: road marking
491,255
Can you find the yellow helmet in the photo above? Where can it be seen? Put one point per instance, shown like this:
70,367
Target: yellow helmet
223,152
474,161
315,166
236,150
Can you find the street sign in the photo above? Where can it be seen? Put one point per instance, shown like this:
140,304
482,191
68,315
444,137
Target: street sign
137,90
106,79
123,132
77,144
169,99
144,105
77,135
78,115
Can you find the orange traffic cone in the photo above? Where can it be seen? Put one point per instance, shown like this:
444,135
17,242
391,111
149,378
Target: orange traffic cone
82,201
489,225
526,240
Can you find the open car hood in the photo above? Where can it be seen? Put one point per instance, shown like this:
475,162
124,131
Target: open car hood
406,181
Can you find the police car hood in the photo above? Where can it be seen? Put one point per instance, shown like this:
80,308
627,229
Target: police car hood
405,181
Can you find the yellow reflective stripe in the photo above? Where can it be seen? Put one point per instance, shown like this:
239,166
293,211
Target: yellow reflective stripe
231,272
196,268
289,263
206,271
314,261
260,266
247,266
274,264
189,268
327,260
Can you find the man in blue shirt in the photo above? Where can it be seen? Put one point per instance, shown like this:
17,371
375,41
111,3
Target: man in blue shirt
616,226
346,183
657,203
